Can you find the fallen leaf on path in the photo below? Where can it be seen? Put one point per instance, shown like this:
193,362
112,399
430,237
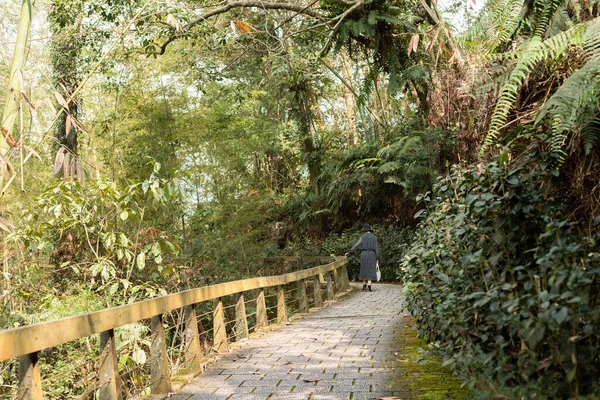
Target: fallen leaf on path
416,374
311,380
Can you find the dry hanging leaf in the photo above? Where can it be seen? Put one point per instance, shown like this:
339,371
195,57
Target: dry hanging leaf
66,165
61,100
479,169
9,139
73,122
6,225
24,96
244,27
171,20
73,172
413,44
34,152
59,160
67,125
80,172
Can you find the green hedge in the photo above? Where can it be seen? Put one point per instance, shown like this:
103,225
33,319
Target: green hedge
505,286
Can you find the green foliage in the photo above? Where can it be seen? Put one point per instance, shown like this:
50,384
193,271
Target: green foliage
529,56
382,30
575,105
371,179
228,239
504,286
98,234
495,24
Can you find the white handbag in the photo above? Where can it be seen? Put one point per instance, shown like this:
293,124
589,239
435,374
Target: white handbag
377,271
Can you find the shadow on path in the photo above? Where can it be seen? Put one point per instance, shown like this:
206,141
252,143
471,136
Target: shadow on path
358,348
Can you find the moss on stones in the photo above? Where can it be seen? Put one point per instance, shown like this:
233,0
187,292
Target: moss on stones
426,380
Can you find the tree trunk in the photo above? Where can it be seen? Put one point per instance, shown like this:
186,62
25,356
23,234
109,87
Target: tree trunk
11,108
302,95
66,44
350,102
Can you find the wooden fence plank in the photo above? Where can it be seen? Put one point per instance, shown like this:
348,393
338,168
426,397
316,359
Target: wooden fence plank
108,374
261,311
241,320
219,328
302,298
30,384
193,350
330,294
159,364
317,292
33,338
281,310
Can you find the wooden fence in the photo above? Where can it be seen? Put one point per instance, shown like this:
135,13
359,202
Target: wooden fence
27,342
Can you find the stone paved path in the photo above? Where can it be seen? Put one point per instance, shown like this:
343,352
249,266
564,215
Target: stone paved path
345,351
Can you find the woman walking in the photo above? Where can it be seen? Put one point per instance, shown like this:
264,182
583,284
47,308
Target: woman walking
368,257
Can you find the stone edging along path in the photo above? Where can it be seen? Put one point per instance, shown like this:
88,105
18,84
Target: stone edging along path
361,347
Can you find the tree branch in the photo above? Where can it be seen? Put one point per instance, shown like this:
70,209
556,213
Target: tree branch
341,19
267,5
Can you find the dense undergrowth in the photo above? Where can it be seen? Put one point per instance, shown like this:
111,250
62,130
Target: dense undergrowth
504,284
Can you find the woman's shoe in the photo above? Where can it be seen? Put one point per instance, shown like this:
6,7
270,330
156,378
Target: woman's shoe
364,289
370,290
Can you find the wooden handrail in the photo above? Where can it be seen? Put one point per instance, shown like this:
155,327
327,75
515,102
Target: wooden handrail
26,342
32,338
307,259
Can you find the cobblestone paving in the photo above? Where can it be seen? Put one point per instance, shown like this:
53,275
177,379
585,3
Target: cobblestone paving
344,351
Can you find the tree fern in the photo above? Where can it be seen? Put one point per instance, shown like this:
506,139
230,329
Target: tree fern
574,107
495,23
530,54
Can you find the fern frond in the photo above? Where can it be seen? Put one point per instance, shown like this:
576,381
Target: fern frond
575,104
544,13
495,23
533,52
528,58
590,135
591,40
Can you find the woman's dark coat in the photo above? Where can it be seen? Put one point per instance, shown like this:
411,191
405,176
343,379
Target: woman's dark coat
368,256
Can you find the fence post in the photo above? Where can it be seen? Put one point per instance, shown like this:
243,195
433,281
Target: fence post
159,364
344,277
219,330
193,351
261,310
317,292
108,373
241,322
330,294
302,299
337,281
281,311
30,384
